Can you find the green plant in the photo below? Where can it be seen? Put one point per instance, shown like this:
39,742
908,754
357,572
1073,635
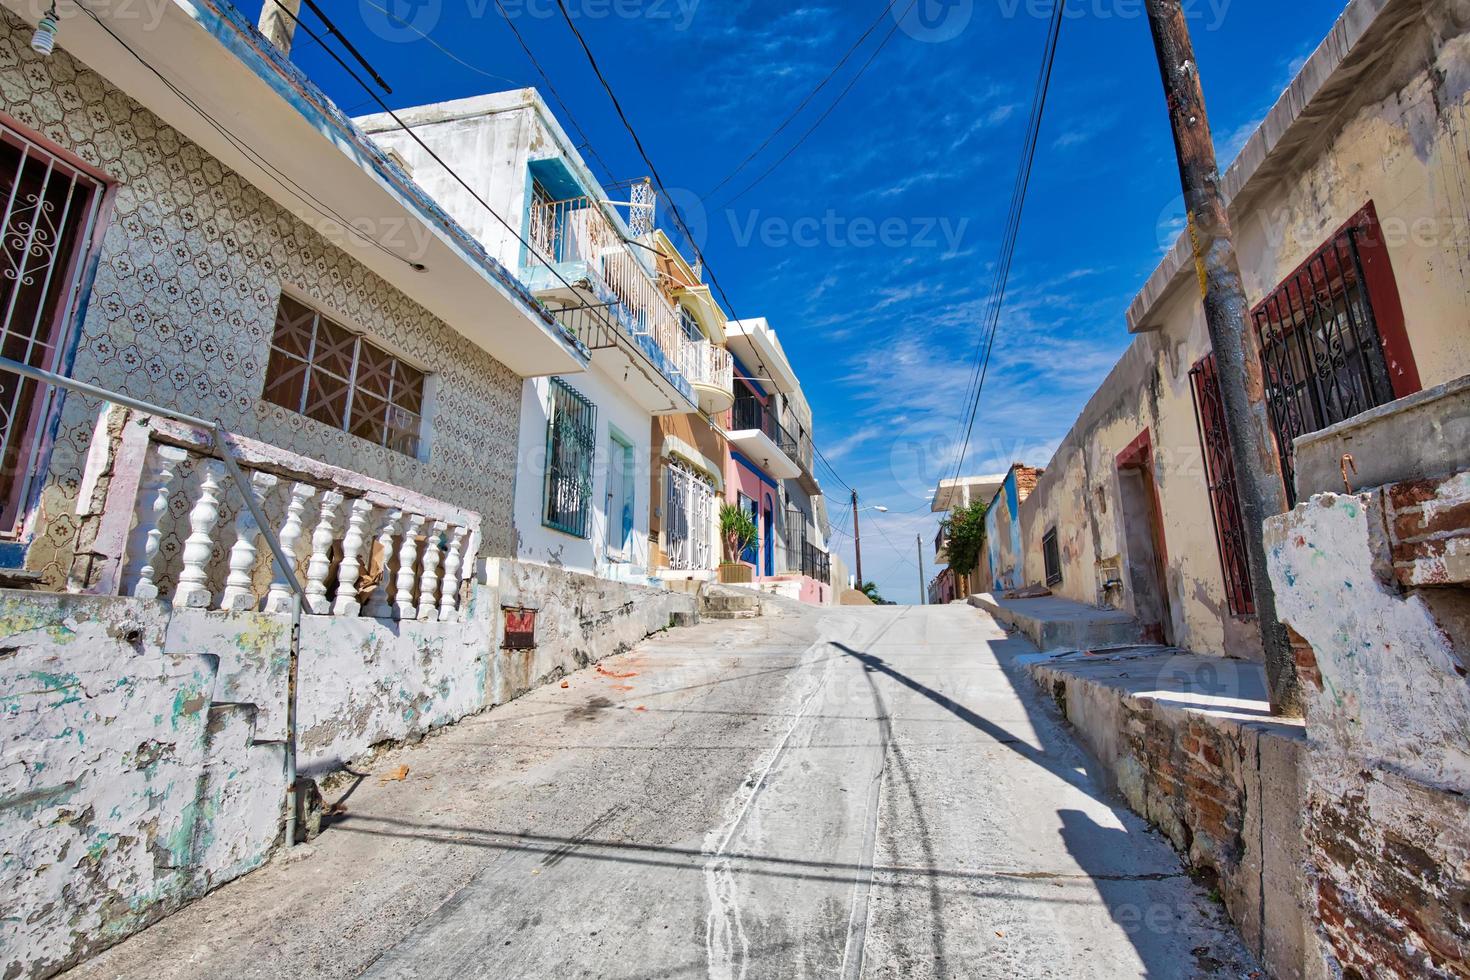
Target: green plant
870,589
966,529
738,530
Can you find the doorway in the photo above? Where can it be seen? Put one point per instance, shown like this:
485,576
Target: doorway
1145,551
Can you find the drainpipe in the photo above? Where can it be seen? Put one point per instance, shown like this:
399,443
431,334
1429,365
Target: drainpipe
1237,348
278,22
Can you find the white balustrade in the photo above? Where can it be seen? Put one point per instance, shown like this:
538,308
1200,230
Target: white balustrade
320,565
352,563
408,558
193,588
335,525
279,599
147,537
453,565
429,582
240,586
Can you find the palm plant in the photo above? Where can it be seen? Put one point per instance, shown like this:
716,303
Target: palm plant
738,530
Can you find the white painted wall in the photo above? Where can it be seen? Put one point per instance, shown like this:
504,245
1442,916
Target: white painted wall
593,555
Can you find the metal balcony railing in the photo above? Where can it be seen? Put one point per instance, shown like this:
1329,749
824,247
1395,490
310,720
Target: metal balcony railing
706,364
577,230
749,413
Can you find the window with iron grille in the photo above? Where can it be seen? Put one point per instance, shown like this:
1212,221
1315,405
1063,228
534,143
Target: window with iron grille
1321,350
50,208
1052,555
1209,412
320,369
571,442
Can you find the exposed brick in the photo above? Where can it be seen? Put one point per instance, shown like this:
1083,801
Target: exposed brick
1413,493
1432,522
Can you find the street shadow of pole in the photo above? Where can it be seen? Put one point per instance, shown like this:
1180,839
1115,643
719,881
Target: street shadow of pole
1054,763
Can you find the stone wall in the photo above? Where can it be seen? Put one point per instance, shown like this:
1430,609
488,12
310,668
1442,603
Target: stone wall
193,260
1384,665
144,747
1179,738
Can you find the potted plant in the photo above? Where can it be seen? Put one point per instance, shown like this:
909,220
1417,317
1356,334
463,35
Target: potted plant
738,531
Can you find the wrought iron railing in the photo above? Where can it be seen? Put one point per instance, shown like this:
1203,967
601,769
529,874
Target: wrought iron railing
706,364
749,413
577,230
1220,480
1321,351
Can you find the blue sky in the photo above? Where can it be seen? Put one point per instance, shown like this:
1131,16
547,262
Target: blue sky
871,249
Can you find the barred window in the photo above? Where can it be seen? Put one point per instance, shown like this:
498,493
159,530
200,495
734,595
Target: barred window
320,369
571,441
1052,555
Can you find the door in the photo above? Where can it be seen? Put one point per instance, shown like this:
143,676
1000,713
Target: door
768,525
1143,541
619,498
49,210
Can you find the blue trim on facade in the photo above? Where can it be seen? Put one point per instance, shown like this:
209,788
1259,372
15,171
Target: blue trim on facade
761,474
744,374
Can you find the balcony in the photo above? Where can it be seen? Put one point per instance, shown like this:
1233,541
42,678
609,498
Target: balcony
941,546
710,371
756,433
583,268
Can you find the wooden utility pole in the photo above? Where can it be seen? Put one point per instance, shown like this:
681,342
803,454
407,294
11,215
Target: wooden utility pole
923,594
1237,348
857,543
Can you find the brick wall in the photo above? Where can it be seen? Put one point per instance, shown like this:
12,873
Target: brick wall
1429,530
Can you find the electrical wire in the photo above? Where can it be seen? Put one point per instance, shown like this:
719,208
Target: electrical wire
1008,247
830,109
275,173
653,171
806,101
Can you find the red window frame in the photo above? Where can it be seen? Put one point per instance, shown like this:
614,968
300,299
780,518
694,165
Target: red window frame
1214,437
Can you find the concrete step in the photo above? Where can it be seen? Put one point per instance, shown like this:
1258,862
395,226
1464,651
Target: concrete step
732,614
731,604
1052,623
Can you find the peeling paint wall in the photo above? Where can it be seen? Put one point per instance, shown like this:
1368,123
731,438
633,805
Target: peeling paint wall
1384,672
580,619
142,750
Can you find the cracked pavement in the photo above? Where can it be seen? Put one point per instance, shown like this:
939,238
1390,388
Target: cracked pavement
870,792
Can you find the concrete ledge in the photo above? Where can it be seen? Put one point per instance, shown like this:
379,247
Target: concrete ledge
1190,743
1054,624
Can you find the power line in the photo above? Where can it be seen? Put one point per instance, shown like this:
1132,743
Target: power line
830,109
271,170
1013,228
806,101
653,171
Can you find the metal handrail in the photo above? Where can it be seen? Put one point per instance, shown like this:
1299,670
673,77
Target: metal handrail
220,448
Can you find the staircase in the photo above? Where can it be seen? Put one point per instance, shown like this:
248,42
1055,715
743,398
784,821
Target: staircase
725,603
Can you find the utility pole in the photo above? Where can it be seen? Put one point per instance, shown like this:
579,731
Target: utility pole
857,543
923,595
1237,348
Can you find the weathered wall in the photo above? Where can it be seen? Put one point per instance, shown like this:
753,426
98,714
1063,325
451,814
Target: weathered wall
192,263
1387,822
580,619
144,749
1392,129
1079,492
670,434
1227,791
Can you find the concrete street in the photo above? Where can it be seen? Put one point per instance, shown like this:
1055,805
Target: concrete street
819,793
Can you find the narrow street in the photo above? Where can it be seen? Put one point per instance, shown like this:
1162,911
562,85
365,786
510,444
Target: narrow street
838,793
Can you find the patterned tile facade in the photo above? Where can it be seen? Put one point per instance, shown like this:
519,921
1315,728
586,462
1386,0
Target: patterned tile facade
192,264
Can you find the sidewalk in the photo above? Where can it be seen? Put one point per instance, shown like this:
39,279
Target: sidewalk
1190,742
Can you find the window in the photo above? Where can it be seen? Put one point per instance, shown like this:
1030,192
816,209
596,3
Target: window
571,441
1052,555
1209,413
49,211
320,369
689,513
1322,347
